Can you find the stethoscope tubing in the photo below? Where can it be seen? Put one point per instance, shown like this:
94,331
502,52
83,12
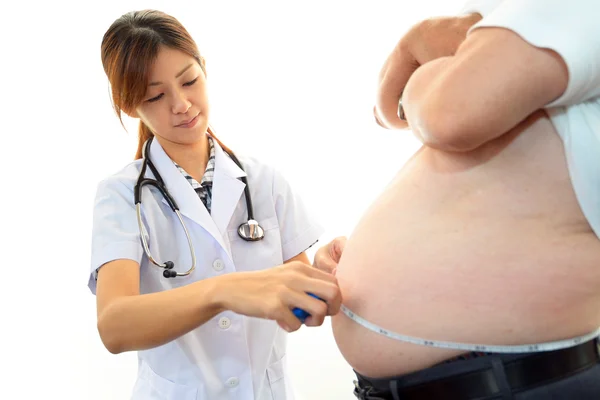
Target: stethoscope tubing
249,231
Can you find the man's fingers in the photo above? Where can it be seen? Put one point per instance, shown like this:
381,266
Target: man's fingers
399,68
377,120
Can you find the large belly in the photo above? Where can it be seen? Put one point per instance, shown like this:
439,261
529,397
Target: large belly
487,247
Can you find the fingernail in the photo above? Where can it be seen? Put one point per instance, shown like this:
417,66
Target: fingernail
376,118
400,111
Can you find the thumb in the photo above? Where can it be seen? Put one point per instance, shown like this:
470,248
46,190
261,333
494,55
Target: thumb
337,248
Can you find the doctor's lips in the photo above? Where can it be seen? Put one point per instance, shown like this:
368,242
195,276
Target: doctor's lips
189,123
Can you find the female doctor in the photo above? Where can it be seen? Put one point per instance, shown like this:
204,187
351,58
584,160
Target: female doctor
203,284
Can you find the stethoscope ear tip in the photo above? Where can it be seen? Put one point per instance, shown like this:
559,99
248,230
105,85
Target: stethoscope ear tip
169,273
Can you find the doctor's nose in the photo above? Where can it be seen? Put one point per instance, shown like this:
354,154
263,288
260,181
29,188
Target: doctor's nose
180,104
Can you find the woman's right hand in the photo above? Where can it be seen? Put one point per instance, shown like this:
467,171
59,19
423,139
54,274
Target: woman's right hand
275,292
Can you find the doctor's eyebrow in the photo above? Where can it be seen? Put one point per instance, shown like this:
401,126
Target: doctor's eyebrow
176,76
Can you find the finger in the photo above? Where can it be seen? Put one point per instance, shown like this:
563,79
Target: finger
313,306
324,261
311,320
316,319
287,320
377,120
323,274
337,248
335,303
329,293
323,285
400,66
283,326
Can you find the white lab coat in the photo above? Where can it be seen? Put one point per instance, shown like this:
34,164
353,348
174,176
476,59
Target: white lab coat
230,356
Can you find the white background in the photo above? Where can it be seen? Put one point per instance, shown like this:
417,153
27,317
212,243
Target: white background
292,83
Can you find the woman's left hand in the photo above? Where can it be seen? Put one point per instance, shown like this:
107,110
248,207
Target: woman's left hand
328,256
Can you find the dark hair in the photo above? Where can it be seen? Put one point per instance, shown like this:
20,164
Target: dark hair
129,47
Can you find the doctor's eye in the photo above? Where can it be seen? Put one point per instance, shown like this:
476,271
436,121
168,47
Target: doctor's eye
155,98
190,83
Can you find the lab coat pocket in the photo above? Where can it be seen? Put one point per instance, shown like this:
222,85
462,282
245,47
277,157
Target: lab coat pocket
277,380
262,254
151,386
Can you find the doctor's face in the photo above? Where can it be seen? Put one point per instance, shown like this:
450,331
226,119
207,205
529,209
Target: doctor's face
175,106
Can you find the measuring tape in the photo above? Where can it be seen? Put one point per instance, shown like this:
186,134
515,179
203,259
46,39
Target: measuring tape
524,348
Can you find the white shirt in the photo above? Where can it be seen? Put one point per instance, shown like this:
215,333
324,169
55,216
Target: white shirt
230,356
572,29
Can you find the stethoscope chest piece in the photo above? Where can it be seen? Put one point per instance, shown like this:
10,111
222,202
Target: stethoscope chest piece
251,231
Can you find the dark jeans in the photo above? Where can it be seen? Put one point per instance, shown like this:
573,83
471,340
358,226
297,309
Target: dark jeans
582,383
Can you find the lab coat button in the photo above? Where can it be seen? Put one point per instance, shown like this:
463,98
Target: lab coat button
224,322
218,265
233,382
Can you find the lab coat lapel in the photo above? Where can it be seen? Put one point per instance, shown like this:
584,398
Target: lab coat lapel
227,189
185,196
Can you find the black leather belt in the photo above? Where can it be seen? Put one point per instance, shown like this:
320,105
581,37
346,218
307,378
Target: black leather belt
524,373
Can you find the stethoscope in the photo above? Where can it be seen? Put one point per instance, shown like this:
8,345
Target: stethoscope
250,231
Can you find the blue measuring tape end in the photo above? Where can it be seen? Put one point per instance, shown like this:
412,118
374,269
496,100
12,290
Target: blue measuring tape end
300,313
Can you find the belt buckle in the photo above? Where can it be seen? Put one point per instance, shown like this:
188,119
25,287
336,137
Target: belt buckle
364,393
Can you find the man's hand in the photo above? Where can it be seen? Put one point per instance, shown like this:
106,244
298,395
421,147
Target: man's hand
428,40
328,256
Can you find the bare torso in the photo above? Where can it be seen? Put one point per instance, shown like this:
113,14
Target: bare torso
482,247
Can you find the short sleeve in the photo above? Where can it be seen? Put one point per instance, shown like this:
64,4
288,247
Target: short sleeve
483,7
299,230
115,233
571,29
